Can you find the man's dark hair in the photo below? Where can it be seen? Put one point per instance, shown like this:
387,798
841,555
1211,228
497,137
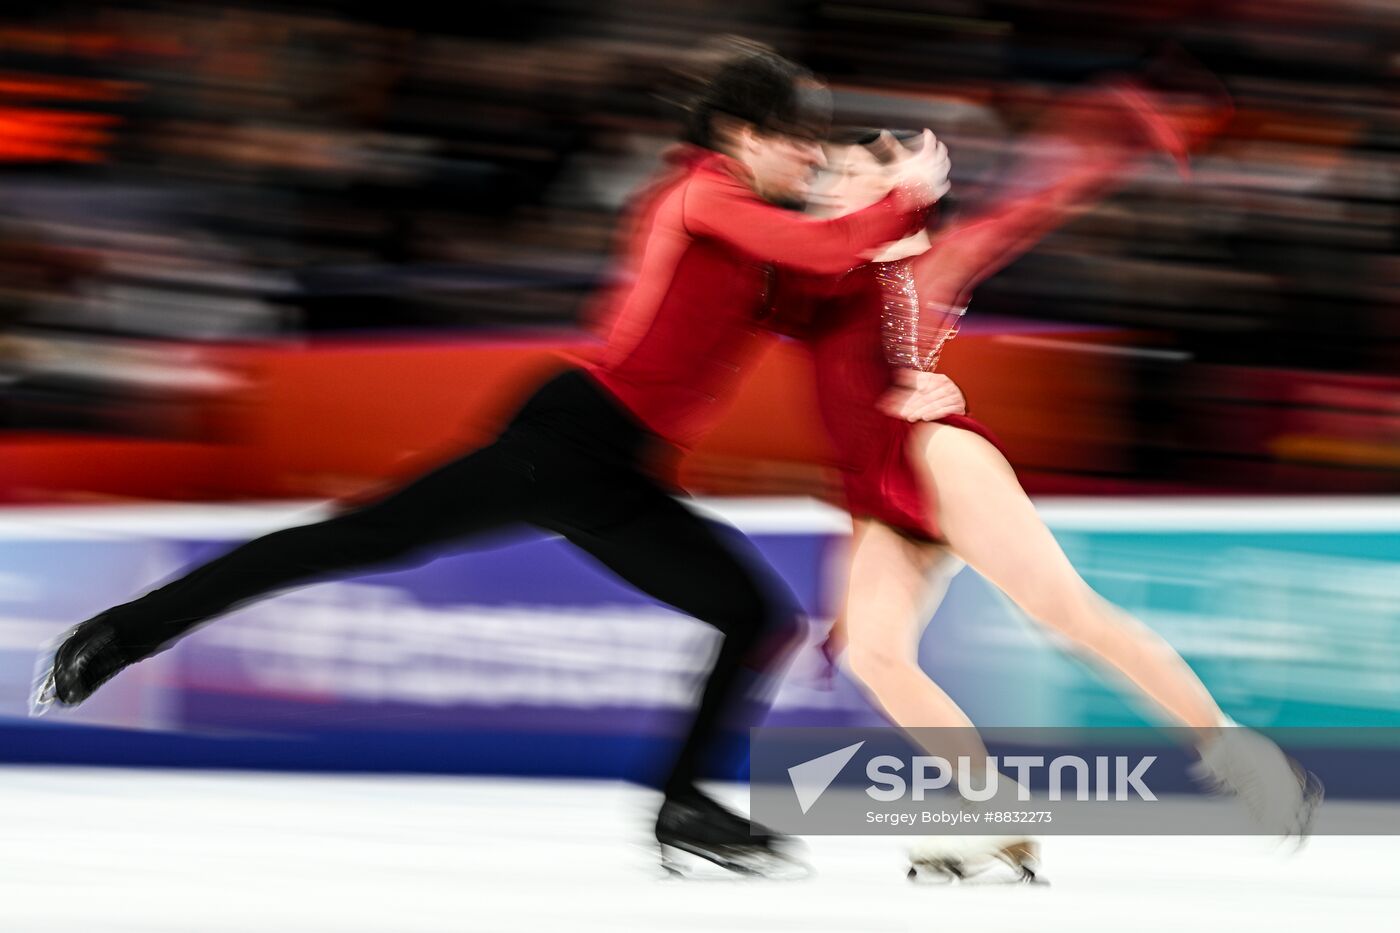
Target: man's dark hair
755,85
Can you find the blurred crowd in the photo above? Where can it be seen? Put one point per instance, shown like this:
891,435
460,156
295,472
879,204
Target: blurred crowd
176,173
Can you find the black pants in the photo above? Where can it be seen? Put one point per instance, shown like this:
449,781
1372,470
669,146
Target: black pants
568,463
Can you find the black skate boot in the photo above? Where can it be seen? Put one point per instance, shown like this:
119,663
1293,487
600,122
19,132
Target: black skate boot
84,659
692,824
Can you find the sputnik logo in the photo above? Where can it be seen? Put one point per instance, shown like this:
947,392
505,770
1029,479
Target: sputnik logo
811,778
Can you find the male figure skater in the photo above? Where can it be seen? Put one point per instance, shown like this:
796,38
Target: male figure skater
576,459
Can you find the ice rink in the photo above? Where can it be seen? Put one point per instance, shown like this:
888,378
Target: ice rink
88,850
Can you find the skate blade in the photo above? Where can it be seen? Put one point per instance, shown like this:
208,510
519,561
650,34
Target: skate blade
695,864
1014,864
1313,794
43,693
991,874
42,696
984,876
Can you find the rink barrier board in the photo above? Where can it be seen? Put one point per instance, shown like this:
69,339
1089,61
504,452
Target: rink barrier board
224,699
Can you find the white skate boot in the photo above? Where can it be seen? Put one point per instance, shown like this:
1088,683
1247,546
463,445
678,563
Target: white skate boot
979,859
1279,794
976,859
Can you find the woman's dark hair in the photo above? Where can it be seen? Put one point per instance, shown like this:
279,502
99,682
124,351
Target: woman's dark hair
753,84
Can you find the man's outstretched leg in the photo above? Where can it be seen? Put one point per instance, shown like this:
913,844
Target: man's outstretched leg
487,489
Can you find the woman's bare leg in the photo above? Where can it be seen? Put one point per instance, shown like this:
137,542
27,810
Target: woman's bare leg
989,522
893,585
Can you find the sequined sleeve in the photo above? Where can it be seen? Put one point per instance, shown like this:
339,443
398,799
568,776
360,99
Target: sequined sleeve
914,331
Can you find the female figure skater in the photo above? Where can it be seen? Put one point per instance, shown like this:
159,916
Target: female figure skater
929,490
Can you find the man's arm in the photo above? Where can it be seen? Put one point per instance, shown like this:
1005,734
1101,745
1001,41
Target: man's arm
728,210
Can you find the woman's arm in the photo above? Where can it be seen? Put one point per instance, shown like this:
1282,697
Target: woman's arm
1108,130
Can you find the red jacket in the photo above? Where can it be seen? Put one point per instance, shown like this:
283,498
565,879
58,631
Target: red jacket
689,311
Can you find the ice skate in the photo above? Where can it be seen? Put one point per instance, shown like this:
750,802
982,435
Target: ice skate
694,829
1279,794
975,859
77,664
979,859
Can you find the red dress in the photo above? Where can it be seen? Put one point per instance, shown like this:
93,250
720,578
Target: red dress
848,345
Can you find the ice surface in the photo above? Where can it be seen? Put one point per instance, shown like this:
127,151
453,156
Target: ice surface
96,850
